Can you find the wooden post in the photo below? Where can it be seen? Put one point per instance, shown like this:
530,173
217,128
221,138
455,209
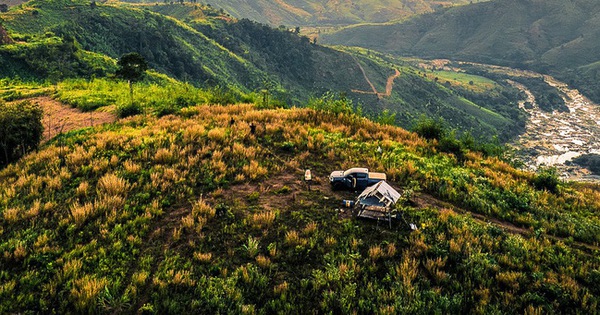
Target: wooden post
308,178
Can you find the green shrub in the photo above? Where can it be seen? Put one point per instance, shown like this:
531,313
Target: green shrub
20,130
430,128
129,109
547,179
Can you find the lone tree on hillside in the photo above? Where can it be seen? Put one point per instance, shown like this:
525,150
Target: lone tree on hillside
131,68
21,130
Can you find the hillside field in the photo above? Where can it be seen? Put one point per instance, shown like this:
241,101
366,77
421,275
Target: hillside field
192,212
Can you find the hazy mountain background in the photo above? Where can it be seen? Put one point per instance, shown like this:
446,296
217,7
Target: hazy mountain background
558,37
326,12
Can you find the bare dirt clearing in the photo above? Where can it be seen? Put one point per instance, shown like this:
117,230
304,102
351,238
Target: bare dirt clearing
59,117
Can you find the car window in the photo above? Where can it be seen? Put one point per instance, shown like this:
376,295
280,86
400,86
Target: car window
361,175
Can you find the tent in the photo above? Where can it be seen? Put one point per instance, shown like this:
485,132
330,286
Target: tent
377,201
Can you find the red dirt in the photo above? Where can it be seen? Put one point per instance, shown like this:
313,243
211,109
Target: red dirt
388,87
59,117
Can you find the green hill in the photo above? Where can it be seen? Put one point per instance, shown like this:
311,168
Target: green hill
208,49
558,37
188,214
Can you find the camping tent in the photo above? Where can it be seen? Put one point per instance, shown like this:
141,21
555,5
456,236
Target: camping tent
377,201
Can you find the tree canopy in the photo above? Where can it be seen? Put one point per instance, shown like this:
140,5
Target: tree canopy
131,67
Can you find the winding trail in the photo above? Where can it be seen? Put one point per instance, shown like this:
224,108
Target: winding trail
388,87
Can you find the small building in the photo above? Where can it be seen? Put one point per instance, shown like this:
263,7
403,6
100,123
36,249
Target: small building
377,202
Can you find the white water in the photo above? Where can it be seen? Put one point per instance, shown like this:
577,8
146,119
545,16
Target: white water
553,139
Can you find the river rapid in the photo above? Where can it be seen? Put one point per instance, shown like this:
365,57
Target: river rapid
555,138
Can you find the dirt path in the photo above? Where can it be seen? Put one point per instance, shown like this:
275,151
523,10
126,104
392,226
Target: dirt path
424,200
390,83
59,117
366,79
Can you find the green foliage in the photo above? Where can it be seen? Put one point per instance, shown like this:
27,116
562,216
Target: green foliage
333,103
131,67
131,109
386,117
561,44
547,179
20,130
430,128
589,161
52,58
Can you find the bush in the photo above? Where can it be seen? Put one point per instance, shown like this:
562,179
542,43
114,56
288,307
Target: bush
129,109
430,128
333,103
547,179
20,130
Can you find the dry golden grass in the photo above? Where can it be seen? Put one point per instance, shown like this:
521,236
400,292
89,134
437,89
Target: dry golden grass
390,250
509,279
254,170
112,185
263,219
407,270
310,228
163,156
281,288
330,241
434,266
263,261
203,257
83,189
85,290
11,215
375,252
139,278
292,238
201,208
217,134
80,212
187,221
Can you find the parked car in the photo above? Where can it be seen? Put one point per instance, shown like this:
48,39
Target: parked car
356,179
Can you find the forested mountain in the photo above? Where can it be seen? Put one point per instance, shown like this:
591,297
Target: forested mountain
210,49
558,37
324,12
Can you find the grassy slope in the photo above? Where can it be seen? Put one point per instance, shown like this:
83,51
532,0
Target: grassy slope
244,55
186,213
548,36
169,45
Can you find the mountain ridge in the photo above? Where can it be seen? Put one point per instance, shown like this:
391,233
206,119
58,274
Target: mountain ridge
555,37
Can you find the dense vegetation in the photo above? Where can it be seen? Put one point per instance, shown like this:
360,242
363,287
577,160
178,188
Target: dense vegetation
20,130
241,57
189,213
589,161
555,37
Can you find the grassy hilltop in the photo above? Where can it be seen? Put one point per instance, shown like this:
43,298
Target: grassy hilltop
191,213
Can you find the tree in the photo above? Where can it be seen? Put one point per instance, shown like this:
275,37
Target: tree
131,68
21,130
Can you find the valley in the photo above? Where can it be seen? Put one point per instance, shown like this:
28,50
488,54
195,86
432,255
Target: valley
553,139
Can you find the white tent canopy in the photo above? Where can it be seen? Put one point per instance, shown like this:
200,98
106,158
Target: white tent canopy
380,194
